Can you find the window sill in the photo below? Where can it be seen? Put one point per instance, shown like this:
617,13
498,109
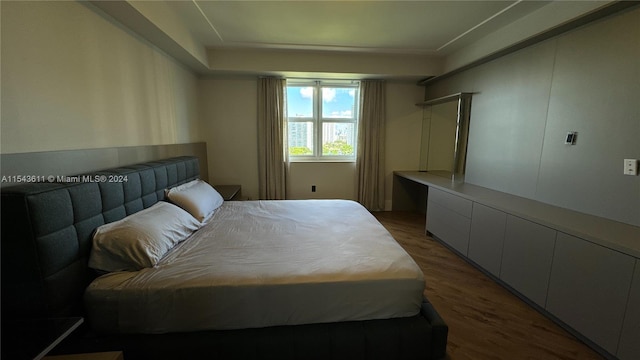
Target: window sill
322,161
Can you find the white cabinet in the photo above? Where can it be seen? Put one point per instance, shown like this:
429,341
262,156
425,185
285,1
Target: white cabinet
580,270
449,219
526,258
589,288
629,347
487,237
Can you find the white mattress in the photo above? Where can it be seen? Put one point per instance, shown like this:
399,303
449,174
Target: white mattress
265,263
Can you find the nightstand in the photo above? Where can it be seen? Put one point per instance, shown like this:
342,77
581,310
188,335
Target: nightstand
229,192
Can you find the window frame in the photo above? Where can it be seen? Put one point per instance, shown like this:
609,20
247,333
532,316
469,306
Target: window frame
318,120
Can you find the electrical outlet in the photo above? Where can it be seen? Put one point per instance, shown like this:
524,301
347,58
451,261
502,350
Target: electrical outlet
631,166
313,188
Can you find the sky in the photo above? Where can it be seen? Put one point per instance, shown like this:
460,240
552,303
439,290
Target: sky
336,102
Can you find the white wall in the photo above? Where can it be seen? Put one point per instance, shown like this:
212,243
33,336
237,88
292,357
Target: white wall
72,79
402,151
588,81
332,180
403,131
443,124
229,121
314,64
228,109
164,16
547,16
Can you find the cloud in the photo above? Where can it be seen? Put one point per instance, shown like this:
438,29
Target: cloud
341,114
328,94
306,92
352,92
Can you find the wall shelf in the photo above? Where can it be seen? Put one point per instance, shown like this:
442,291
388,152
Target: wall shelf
443,99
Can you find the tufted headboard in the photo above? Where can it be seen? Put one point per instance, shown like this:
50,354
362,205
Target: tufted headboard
47,230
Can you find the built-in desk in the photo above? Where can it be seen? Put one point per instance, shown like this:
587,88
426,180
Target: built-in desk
580,269
615,235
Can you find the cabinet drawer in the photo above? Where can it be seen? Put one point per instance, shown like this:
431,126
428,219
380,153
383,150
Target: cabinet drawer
448,226
452,202
629,347
589,288
487,237
526,258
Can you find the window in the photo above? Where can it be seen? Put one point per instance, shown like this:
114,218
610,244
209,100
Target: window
322,120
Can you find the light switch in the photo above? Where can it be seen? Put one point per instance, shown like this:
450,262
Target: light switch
571,138
631,166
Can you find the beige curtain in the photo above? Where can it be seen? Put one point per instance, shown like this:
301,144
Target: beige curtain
272,138
370,160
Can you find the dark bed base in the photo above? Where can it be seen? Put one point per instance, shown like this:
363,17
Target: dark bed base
423,336
46,239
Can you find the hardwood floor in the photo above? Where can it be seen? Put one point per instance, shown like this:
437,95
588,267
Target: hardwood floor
485,320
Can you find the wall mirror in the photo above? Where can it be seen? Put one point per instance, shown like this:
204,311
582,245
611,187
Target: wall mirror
445,131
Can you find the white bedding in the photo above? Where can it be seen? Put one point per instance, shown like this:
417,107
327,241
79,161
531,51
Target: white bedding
265,263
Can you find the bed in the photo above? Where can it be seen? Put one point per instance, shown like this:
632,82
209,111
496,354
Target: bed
317,304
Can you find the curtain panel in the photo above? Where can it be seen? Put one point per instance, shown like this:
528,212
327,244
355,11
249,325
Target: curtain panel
370,159
272,138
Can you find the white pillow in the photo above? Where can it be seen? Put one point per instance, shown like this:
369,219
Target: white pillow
197,197
140,240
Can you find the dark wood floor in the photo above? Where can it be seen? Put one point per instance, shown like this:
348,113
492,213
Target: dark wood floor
485,320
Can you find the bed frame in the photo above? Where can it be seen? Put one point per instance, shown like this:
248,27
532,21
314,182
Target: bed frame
46,240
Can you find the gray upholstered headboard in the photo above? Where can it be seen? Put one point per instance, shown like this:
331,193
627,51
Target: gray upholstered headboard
47,230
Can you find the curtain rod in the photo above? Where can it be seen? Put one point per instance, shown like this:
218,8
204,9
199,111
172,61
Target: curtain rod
309,79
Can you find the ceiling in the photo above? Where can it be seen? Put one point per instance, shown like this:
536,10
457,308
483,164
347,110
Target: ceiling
347,39
405,27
